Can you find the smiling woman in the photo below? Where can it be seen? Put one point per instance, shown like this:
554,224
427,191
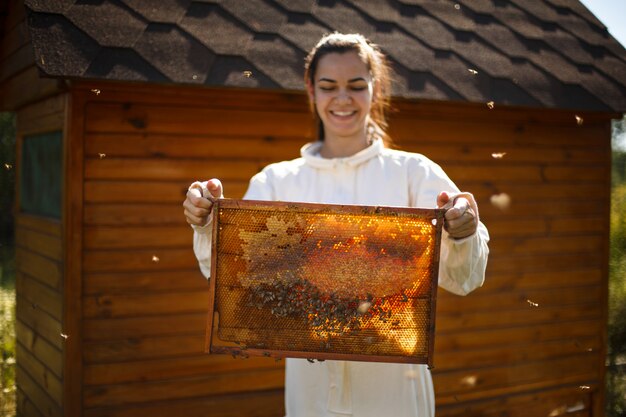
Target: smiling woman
347,80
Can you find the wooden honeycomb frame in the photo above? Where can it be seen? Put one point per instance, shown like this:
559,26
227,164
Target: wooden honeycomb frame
322,281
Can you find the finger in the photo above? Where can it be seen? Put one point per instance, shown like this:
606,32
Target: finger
442,199
462,226
193,219
201,209
461,206
215,187
194,198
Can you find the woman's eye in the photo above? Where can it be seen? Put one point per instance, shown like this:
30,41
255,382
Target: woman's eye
359,87
327,88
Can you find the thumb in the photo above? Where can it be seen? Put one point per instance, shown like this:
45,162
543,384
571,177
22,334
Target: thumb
442,199
215,187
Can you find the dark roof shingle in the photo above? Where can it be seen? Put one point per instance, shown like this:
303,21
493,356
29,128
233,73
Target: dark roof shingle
549,53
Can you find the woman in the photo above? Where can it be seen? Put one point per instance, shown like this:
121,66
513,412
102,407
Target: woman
347,80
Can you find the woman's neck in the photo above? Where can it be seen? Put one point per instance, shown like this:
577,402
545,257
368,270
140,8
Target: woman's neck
342,147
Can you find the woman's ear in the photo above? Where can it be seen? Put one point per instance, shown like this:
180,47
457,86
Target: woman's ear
310,88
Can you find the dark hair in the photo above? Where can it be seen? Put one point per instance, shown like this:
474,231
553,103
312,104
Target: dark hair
376,63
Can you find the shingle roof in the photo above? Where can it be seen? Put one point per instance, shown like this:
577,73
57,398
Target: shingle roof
538,53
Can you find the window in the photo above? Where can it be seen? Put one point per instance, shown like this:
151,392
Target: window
41,174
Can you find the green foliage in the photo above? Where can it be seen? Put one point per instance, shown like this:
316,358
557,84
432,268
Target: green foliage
616,375
7,266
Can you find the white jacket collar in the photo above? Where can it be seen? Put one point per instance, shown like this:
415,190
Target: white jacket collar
311,154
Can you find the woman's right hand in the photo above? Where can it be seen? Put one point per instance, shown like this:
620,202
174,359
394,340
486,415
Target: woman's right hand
197,204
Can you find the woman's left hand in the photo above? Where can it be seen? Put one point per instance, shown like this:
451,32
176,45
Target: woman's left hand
460,220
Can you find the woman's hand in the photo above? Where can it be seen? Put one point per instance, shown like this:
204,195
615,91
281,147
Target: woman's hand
197,204
461,218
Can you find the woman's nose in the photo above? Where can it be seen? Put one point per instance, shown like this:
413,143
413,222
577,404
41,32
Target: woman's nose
343,96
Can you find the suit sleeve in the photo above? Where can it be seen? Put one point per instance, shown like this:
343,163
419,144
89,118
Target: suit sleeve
258,189
462,262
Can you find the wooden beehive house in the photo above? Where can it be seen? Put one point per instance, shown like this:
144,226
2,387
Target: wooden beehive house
121,104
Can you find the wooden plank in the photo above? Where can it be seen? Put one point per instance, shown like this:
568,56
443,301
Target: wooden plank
268,403
25,406
525,174
546,245
40,322
51,106
45,270
591,208
146,326
169,169
172,368
550,402
466,340
480,320
106,237
143,348
540,262
253,380
40,243
124,305
482,380
136,191
511,355
46,380
40,296
27,87
139,260
141,281
520,299
43,124
573,381
220,145
194,97
19,60
502,227
16,14
37,396
73,149
39,348
495,282
504,153
531,192
458,131
39,224
575,173
524,212
135,214
162,119
13,39
569,225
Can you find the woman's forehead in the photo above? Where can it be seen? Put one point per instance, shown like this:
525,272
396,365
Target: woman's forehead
347,65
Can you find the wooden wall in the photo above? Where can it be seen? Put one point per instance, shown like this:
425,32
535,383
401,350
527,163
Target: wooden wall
144,299
530,342
20,83
40,332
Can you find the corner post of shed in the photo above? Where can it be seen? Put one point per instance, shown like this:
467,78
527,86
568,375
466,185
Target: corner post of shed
73,253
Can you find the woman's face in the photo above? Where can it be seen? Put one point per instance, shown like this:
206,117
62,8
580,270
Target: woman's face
342,94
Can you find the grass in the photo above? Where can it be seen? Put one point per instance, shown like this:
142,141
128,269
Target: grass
7,331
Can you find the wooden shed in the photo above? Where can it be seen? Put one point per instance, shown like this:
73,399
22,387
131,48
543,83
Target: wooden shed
122,103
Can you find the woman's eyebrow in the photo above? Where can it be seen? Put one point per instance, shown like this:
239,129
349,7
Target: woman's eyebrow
352,80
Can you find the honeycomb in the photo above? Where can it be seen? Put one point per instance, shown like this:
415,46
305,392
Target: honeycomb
323,281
